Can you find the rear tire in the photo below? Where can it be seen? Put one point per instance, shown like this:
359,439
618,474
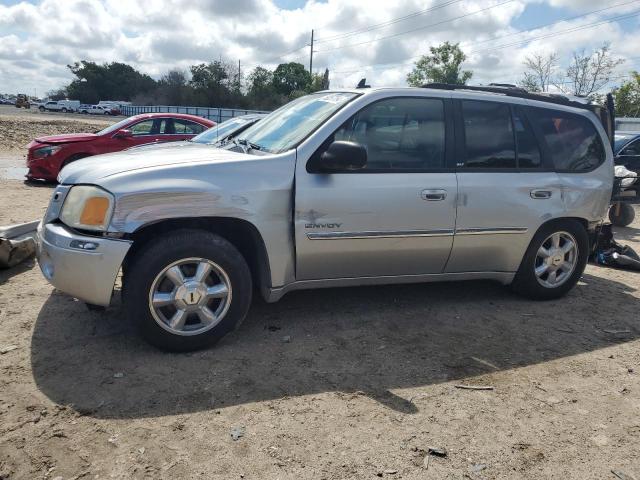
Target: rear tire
64,110
41,109
175,310
622,217
550,267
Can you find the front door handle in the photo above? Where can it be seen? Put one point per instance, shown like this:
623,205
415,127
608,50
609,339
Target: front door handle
541,194
433,195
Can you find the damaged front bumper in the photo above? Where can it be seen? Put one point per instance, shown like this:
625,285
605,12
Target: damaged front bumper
83,266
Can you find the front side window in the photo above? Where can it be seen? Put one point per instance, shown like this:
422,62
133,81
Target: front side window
488,135
573,142
399,134
142,128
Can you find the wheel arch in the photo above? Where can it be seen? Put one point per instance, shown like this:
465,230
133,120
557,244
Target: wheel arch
240,233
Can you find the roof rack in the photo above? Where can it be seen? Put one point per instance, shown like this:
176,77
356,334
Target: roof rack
512,91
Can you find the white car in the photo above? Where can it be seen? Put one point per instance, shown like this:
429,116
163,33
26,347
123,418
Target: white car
63,106
99,110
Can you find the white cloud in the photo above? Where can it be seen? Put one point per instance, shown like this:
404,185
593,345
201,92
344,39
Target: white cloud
38,41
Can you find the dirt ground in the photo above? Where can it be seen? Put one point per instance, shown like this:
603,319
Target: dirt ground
353,383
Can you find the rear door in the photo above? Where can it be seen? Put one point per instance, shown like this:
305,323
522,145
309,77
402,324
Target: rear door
394,217
506,188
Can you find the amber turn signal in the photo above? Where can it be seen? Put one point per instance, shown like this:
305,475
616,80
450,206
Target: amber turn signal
95,210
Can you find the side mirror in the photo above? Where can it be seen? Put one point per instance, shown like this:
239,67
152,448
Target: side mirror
342,156
124,134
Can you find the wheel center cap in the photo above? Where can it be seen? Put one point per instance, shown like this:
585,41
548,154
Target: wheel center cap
189,293
557,260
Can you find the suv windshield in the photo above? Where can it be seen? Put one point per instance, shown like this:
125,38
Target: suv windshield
283,129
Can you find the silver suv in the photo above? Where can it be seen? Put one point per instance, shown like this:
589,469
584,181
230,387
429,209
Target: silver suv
337,188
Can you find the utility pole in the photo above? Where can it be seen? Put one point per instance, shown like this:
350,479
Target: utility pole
238,74
311,55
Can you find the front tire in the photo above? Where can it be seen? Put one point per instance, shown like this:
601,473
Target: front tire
554,261
187,289
41,109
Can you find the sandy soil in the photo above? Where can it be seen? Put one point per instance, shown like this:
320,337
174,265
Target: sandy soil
351,383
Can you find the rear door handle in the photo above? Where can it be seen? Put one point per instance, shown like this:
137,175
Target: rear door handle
541,194
433,195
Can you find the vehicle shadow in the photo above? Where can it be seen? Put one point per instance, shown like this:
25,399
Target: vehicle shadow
626,234
368,340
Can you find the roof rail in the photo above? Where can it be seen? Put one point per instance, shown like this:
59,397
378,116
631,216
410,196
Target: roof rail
512,91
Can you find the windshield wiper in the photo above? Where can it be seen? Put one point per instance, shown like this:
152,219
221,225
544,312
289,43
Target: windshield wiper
247,143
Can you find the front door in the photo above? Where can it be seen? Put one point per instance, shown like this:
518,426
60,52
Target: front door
394,217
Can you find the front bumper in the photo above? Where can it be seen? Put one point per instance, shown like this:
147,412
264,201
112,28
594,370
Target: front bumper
68,265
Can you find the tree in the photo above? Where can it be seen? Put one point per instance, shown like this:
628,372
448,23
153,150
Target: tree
443,65
319,82
213,83
172,87
289,77
627,97
109,81
57,94
540,71
587,74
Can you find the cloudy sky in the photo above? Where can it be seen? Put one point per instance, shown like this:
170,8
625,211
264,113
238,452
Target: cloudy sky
377,39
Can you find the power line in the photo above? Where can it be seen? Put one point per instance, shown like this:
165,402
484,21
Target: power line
520,42
393,21
417,29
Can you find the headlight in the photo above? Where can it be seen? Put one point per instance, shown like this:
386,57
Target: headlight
87,208
46,151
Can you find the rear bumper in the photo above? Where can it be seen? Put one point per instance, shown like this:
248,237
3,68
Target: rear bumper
88,275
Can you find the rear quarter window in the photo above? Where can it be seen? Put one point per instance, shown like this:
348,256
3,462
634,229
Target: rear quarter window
572,140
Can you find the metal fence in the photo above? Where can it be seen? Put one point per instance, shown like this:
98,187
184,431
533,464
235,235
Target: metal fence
628,124
215,114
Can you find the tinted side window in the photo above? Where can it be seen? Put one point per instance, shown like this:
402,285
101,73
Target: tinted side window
574,143
632,149
399,134
187,127
528,148
488,134
142,128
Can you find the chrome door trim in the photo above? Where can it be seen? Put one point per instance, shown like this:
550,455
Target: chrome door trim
378,234
491,231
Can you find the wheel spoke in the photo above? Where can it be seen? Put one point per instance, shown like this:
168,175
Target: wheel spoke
206,315
555,240
566,266
543,252
542,269
202,272
177,321
218,291
567,247
552,277
175,275
160,300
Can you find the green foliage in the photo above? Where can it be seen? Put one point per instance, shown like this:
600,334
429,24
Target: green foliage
107,81
627,97
443,65
213,84
289,77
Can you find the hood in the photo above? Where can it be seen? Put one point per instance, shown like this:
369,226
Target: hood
93,169
67,138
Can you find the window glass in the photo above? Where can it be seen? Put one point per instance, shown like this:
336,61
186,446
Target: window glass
399,133
142,128
186,127
572,139
488,135
221,130
285,128
528,149
633,149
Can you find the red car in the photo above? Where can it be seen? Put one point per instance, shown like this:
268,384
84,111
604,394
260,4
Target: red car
48,155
